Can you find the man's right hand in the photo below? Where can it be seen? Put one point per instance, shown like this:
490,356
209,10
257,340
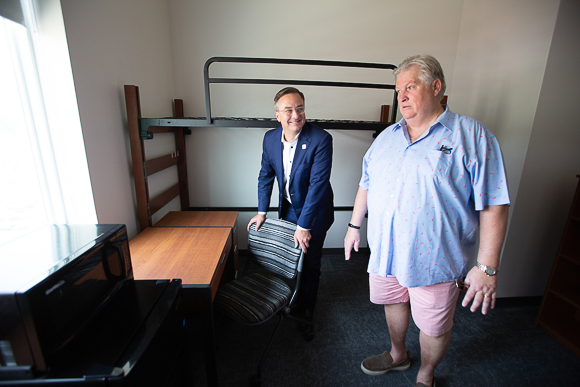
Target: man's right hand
258,219
352,239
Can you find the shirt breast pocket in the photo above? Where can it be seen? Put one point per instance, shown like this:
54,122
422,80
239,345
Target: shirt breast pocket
436,164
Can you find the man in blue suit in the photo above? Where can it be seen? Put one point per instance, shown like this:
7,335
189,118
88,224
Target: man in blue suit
299,156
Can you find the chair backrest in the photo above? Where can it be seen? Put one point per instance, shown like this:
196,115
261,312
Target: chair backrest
272,247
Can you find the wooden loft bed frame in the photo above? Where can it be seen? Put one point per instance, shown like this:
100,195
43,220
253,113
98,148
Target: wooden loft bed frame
146,124
141,129
143,168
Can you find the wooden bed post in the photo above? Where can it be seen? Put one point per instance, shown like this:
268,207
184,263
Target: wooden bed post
137,155
182,164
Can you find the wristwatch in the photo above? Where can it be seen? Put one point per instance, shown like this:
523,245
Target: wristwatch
488,270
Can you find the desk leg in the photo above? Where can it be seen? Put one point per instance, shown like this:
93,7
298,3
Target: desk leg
209,336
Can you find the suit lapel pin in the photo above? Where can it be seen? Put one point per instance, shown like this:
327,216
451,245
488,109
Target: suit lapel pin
303,146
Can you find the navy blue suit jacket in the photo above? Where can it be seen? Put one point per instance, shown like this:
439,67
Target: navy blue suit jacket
310,190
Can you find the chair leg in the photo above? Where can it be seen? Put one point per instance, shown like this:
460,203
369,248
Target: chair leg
259,370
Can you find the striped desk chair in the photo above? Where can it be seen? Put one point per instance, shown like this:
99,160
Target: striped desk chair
261,294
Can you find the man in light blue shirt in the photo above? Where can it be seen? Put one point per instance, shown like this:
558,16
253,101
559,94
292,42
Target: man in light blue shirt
428,182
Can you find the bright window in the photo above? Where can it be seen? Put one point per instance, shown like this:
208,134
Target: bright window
43,167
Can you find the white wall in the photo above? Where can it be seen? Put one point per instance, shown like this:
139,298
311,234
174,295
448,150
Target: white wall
486,49
551,164
501,59
223,164
494,54
113,43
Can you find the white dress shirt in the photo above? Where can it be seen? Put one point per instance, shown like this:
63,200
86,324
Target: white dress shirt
288,151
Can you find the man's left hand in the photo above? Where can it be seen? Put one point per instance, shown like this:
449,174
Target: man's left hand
302,238
482,290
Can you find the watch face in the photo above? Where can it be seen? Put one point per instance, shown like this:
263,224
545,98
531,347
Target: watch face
490,271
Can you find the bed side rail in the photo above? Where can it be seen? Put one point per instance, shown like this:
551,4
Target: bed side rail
257,81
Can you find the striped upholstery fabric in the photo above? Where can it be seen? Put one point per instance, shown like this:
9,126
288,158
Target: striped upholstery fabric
257,296
272,247
253,298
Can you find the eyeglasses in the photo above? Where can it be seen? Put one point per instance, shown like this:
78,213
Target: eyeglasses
299,110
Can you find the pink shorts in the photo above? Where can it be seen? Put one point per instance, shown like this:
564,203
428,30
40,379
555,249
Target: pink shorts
432,306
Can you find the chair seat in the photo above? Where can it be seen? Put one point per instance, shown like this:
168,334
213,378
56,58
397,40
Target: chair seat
253,298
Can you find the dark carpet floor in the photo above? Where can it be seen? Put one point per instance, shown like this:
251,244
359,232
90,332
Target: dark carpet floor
503,348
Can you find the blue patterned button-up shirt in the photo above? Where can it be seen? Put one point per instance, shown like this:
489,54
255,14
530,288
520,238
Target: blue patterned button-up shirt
423,198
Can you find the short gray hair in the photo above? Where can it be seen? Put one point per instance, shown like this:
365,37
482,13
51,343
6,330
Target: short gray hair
430,70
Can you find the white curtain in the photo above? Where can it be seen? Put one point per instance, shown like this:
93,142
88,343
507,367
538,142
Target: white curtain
44,175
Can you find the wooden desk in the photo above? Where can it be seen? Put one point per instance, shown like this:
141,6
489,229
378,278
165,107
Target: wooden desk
195,255
199,219
206,219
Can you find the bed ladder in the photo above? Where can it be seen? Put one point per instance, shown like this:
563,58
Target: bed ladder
143,168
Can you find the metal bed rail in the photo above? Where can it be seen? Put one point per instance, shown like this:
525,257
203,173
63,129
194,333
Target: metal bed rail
257,81
146,123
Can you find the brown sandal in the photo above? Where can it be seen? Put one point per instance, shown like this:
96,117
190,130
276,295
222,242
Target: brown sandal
383,363
423,384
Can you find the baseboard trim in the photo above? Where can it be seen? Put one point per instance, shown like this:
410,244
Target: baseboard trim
327,251
340,251
501,302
